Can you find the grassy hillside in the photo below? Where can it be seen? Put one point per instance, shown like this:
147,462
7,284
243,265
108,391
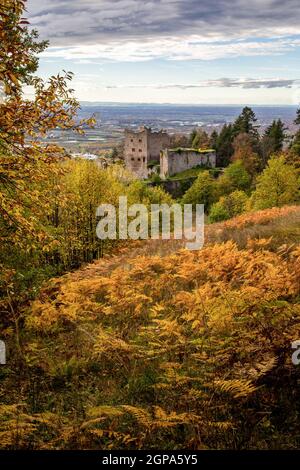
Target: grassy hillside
160,347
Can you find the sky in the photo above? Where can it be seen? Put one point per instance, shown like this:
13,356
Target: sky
173,51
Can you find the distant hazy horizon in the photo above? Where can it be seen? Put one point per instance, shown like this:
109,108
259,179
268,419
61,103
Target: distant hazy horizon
215,105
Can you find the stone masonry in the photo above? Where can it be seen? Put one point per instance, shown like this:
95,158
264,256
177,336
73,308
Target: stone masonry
142,148
174,161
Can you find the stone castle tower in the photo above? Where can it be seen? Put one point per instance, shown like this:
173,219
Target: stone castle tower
142,148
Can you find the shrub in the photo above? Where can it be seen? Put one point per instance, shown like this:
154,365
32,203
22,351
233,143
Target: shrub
228,206
202,191
218,212
235,177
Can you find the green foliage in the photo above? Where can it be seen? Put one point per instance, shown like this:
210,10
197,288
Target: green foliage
294,151
273,140
224,145
245,123
297,120
276,134
155,178
235,177
201,139
190,173
202,191
143,193
277,185
228,206
213,140
218,212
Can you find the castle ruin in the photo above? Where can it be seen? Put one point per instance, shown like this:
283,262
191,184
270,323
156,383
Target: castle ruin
146,149
174,161
142,148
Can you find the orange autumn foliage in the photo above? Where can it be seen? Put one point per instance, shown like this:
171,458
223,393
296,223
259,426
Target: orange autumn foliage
187,345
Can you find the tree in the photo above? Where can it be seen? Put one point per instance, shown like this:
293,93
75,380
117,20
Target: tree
276,136
114,153
179,140
213,140
139,192
228,206
25,162
277,185
192,136
18,47
218,212
293,153
235,203
203,191
294,150
245,123
83,187
199,138
27,165
244,151
224,145
235,177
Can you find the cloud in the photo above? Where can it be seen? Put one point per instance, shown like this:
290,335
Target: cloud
252,83
173,29
90,21
246,83
186,48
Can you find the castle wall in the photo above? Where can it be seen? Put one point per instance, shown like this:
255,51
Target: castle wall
156,143
172,161
143,147
135,152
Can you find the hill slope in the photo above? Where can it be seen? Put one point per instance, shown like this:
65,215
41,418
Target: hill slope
160,347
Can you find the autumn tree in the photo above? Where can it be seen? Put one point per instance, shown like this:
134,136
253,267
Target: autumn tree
179,140
24,159
18,47
26,163
244,150
199,138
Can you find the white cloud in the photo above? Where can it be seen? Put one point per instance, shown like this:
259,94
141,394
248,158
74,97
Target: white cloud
246,83
173,49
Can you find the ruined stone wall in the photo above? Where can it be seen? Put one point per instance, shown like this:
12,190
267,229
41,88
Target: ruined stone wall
172,161
135,152
142,147
157,141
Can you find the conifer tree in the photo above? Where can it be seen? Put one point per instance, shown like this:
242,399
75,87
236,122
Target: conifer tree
246,123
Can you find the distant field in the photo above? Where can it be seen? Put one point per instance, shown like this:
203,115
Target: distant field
112,119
